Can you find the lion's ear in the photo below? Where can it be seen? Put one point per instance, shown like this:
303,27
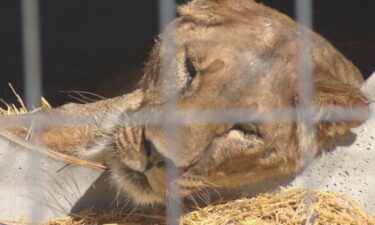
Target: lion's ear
203,12
213,12
337,93
227,1
337,98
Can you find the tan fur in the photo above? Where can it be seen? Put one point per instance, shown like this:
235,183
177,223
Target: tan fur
246,56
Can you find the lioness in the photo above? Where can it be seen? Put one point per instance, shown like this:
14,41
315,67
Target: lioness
217,55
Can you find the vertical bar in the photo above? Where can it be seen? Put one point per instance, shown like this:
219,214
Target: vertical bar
33,90
31,52
167,12
304,16
305,119
304,12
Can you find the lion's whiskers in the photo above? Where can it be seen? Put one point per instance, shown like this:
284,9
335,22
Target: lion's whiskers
191,197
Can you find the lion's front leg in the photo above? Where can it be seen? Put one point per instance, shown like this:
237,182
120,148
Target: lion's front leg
70,128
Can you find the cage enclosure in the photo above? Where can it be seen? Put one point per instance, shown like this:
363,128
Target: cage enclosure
145,136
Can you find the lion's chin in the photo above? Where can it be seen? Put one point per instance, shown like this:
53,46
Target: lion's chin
135,186
147,189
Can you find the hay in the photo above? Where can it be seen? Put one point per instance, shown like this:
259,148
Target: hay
12,109
117,216
291,206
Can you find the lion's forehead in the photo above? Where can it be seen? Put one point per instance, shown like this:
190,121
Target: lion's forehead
233,43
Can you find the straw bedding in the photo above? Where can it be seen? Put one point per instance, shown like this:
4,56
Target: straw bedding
7,108
290,206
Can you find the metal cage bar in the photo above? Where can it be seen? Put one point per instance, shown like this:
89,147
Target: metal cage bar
31,52
33,84
167,12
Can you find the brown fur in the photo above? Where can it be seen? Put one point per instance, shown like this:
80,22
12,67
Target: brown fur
246,56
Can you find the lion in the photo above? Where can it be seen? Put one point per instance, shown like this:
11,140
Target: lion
217,56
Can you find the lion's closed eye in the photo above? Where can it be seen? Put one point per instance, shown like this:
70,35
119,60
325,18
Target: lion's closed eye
191,70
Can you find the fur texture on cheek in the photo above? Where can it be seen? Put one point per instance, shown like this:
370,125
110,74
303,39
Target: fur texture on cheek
233,157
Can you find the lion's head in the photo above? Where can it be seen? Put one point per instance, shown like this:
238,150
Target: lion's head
225,55
220,56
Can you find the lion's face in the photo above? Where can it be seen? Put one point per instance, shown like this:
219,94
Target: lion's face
208,67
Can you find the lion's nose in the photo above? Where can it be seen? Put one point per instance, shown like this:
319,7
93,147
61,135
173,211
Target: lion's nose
149,148
146,155
149,165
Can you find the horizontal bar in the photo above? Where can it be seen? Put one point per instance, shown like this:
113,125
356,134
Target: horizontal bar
245,115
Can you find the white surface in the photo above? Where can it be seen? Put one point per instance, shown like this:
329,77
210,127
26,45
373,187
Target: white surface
35,194
369,87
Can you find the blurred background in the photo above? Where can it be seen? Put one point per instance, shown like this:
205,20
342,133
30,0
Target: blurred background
101,46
